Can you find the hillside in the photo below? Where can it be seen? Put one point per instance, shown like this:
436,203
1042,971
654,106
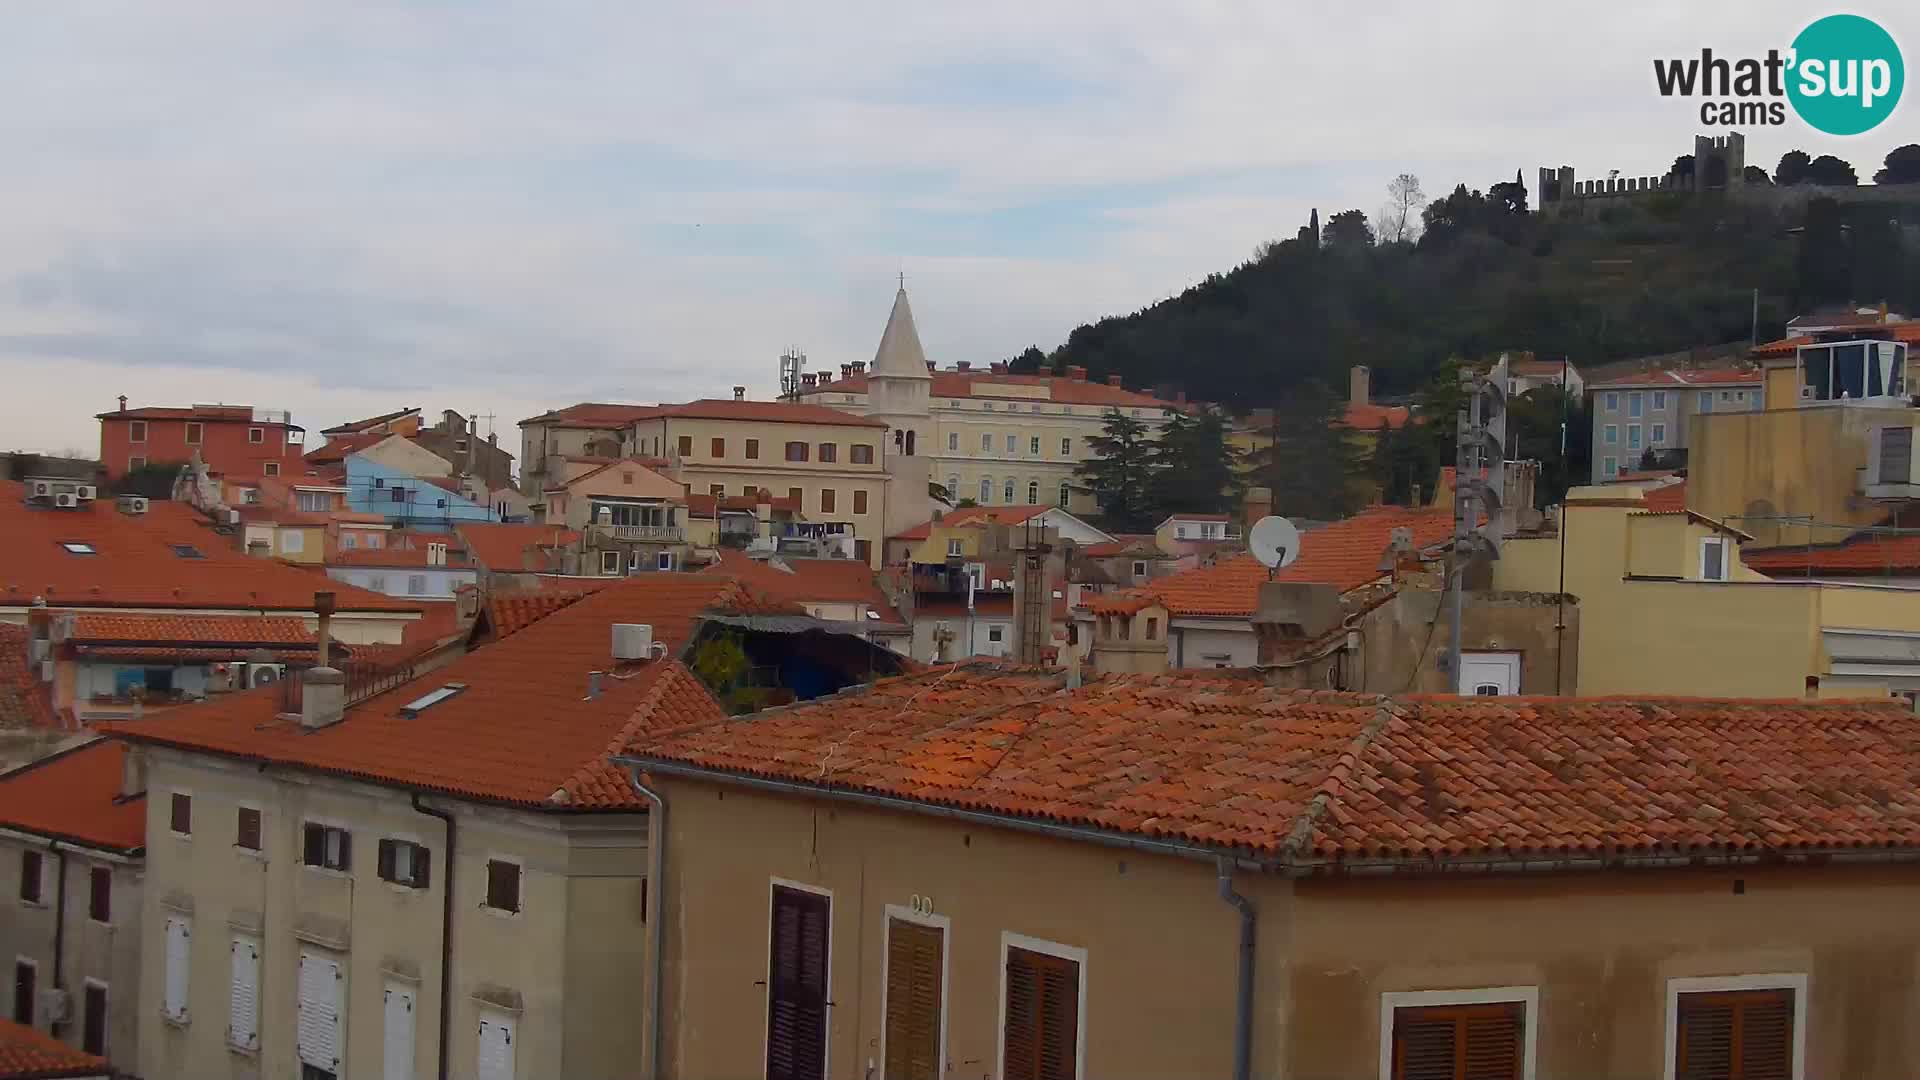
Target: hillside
1659,274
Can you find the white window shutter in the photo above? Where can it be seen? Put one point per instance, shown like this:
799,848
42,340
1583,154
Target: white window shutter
179,937
243,1008
322,992
496,1046
398,1054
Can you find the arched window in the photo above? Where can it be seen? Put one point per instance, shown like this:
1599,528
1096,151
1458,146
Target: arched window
1033,493
1009,491
953,487
909,442
986,490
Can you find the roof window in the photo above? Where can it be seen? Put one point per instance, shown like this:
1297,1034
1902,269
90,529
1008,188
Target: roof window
78,547
428,700
186,551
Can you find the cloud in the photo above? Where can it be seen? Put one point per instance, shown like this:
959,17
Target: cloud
341,208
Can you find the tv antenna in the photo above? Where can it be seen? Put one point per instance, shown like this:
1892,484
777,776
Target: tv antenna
1274,541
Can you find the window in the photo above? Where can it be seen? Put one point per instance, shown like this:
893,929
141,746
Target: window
416,584
1013,444
1066,447
1007,490
256,435
1041,986
863,551
77,547
663,560
686,446
1633,436
495,1055
93,1026
1033,446
194,433
799,935
1033,492
953,440
180,814
1612,402
32,874
323,993
1180,532
860,501
1139,568
914,996
1458,1034
136,462
349,541
377,582
753,449
503,885
179,937
1610,434
862,453
1736,1028
826,500
996,633
1726,395
718,491
829,451
954,550
398,494
986,443
137,431
404,863
953,486
796,451
609,562
243,993
1066,494
25,976
1657,435
100,894
1713,559
719,448
292,541
986,490
1706,401
793,496
1609,468
315,502
246,829
397,1050
1634,404
327,847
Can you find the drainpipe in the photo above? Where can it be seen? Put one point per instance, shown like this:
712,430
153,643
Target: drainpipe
1243,996
59,918
656,919
446,929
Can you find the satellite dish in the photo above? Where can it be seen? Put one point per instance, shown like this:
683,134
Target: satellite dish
1274,541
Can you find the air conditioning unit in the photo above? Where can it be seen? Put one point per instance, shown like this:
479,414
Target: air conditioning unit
66,501
87,492
43,489
632,641
133,504
46,671
264,674
57,1005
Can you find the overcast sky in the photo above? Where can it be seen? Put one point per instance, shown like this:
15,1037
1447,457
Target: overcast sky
341,209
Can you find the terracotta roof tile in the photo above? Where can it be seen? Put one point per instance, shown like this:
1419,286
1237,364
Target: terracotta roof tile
985,384
337,447
1864,554
98,627
355,426
1906,331
808,581
30,1053
1369,417
1222,761
215,413
516,548
768,412
703,506
522,732
508,613
25,701
1673,377
135,563
74,795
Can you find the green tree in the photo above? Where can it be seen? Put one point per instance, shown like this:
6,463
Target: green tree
1310,462
1533,434
722,663
1348,229
1196,470
1821,270
1829,171
1755,176
1682,166
1902,166
1792,168
154,480
1028,362
1121,474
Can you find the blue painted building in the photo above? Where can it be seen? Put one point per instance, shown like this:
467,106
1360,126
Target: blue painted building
406,499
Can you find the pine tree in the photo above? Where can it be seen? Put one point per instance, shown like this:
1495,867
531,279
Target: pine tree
1121,476
1198,469
1311,461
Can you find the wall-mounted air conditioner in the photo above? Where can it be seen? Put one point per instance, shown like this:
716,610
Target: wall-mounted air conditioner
632,641
87,492
66,501
56,1005
264,674
133,504
42,489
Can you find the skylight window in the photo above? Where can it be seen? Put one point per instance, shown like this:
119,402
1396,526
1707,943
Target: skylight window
428,700
187,551
78,547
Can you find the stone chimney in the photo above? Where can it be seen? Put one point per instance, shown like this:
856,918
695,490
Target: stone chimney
323,698
1291,614
963,365
123,403
859,367
1115,380
1359,388
1129,637
999,367
1259,504
1077,373
739,393
323,632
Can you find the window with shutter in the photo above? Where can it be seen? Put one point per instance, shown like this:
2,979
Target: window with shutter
243,1007
100,894
25,980
397,1045
1735,1035
179,939
799,937
910,1042
1460,1042
31,876
496,1046
1041,1039
323,984
93,1031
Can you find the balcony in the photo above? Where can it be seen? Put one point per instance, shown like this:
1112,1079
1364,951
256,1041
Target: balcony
1865,372
660,534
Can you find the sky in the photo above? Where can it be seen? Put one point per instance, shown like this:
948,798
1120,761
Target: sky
500,208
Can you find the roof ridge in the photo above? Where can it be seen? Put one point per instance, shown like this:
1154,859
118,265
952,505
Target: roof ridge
1385,709
670,671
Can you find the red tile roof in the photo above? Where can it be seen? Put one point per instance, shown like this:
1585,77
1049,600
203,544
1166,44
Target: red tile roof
371,421
808,581
1225,763
135,564
590,414
1345,554
408,557
1864,554
1125,544
513,548
522,732
1906,331
1061,390
766,412
31,1054
1667,499
508,613
95,628
1369,417
74,795
1671,377
702,506
974,515
24,700
213,413
339,446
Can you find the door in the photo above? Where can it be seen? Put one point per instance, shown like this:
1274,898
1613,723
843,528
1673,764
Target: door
915,988
396,1052
797,985
1488,674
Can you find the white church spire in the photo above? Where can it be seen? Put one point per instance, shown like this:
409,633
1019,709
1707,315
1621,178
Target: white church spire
900,354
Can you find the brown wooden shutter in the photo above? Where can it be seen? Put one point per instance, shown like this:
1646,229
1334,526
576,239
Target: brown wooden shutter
913,1001
314,844
1736,1035
1460,1042
1043,1016
93,1031
797,986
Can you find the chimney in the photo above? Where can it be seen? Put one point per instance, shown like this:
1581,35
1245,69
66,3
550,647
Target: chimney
999,367
846,371
593,684
133,773
930,367
323,635
1813,688
859,367
739,393
323,698
123,403
1115,380
1130,638
963,365
1358,390
1076,373
1259,504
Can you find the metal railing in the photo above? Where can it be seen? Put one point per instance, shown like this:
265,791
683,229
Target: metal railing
365,679
671,533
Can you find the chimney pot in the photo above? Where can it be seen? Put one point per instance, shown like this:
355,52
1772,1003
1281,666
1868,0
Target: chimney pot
1115,380
123,403
964,365
999,368
739,393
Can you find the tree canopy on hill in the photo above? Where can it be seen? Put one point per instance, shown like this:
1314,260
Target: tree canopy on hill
1617,279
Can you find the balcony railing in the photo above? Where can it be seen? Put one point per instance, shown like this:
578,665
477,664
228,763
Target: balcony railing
668,533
